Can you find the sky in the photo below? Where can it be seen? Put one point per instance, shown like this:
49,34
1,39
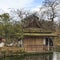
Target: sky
7,5
17,4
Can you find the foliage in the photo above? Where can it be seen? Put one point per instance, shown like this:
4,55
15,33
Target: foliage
8,30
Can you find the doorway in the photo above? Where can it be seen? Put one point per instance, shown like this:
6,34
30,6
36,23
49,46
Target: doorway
48,42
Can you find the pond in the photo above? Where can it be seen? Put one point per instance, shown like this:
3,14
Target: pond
54,56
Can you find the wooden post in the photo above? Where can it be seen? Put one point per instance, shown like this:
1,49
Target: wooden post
48,45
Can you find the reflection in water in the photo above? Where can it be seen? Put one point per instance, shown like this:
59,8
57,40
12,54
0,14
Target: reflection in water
30,57
54,56
38,57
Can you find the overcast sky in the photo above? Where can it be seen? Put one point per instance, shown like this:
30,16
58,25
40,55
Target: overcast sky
17,4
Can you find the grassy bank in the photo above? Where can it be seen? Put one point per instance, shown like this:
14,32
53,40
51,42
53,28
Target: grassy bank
14,51
10,51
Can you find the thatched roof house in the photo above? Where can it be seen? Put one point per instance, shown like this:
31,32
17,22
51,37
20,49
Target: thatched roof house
37,37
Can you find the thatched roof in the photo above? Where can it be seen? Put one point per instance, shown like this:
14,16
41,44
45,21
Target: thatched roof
36,30
31,21
33,24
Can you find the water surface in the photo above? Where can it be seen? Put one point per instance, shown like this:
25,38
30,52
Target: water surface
54,56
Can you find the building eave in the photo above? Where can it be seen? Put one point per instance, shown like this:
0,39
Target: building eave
37,34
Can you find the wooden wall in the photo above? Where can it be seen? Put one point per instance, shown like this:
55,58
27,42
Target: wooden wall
34,44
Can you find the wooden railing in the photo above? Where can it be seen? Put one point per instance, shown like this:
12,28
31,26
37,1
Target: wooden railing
38,48
32,48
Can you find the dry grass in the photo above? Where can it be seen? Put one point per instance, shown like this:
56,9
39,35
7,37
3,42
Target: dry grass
9,50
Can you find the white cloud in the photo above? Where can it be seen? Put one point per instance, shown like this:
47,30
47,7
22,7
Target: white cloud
5,4
36,8
39,8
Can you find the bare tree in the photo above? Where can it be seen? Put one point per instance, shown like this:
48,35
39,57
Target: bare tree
51,8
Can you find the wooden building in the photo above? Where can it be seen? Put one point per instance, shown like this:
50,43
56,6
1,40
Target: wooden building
36,38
